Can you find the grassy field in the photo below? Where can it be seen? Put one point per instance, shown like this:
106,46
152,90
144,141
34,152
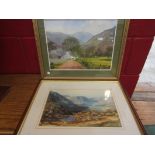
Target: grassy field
88,63
96,62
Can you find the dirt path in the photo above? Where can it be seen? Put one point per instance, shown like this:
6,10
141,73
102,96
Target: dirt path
71,64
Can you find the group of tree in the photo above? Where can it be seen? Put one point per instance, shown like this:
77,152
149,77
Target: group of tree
72,44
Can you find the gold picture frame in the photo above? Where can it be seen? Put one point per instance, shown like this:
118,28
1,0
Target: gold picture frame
122,40
131,123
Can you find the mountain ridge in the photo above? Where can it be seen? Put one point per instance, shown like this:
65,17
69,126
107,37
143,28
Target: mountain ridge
82,36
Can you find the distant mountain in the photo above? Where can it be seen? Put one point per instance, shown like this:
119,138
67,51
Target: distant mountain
101,43
59,37
105,34
82,36
97,103
64,104
56,37
82,100
58,107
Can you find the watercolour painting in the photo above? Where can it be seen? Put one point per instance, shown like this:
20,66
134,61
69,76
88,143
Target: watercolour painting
80,108
80,44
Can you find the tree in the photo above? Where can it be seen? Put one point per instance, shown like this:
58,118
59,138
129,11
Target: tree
51,45
109,50
72,44
90,51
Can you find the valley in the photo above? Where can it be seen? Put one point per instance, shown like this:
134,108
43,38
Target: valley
91,51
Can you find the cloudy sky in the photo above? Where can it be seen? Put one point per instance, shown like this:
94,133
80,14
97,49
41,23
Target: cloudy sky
72,26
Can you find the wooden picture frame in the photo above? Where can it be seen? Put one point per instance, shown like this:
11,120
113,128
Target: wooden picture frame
113,73
129,122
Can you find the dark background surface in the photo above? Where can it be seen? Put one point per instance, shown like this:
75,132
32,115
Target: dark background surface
18,53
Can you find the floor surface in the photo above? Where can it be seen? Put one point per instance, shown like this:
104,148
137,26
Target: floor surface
143,100
14,104
144,94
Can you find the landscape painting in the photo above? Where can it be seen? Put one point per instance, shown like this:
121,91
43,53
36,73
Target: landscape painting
80,108
80,44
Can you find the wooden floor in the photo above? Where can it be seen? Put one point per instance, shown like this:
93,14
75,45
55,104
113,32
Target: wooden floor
144,102
13,106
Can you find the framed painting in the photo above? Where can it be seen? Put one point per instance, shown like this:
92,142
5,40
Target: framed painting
79,107
80,48
79,92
